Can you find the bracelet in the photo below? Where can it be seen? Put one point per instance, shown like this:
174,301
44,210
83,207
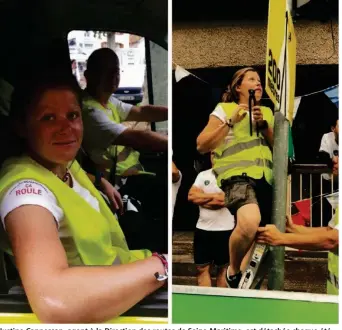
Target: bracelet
163,260
229,123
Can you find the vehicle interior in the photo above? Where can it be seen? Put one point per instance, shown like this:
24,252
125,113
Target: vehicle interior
34,35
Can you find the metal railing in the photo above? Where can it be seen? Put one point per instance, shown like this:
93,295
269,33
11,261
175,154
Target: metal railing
313,182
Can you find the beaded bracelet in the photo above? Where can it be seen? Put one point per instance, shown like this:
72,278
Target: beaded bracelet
162,258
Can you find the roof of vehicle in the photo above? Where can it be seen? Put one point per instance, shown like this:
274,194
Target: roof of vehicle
145,17
29,29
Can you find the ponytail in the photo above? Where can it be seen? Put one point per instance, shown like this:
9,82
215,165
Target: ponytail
228,95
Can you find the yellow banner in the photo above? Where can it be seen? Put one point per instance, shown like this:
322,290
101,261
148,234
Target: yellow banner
281,58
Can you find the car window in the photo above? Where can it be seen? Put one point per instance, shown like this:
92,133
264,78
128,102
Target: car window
131,51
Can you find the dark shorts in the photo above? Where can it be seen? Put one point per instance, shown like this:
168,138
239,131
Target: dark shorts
243,190
211,247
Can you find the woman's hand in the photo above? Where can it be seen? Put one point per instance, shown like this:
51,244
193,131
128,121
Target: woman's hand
257,114
239,113
112,194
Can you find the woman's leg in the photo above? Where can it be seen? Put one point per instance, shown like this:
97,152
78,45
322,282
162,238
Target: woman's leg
248,220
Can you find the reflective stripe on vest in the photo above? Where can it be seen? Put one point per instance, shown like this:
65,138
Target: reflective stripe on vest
127,156
236,148
245,163
242,153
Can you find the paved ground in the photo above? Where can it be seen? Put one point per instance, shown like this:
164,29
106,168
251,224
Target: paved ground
304,271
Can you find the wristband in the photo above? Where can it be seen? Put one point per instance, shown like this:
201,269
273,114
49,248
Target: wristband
229,123
163,260
263,125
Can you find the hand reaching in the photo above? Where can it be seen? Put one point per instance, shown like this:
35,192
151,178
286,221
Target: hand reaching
113,195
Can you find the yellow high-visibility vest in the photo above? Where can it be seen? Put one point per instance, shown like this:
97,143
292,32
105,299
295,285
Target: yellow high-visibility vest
97,236
127,158
332,283
243,153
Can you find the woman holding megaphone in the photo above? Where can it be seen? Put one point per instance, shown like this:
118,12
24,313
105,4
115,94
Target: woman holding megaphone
240,133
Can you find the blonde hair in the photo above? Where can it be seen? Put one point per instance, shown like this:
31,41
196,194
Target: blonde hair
230,94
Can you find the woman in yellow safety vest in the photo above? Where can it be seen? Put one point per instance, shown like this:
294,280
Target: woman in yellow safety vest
242,161
55,222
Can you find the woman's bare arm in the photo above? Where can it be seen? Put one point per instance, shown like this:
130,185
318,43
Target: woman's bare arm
61,294
212,135
215,131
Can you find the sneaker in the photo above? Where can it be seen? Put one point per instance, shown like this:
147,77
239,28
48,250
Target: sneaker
234,280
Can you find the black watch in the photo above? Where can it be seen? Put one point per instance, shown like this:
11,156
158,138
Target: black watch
263,125
229,123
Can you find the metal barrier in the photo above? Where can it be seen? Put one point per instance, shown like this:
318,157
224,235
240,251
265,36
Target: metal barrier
309,181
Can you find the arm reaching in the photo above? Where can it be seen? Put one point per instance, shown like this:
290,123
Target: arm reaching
325,239
146,140
148,113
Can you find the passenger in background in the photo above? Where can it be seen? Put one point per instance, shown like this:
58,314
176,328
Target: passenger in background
114,148
109,143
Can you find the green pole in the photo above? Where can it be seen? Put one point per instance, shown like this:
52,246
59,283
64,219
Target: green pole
280,164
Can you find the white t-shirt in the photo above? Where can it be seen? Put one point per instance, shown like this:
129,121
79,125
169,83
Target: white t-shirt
30,192
212,220
328,145
99,131
220,114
